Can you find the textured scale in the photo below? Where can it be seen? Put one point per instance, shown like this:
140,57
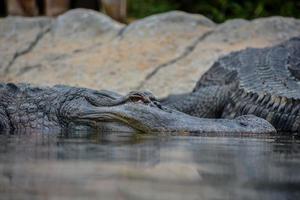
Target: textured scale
263,82
29,107
24,107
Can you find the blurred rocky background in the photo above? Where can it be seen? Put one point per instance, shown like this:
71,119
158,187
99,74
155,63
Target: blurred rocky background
127,49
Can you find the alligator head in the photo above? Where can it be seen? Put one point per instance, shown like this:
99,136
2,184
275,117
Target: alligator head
141,112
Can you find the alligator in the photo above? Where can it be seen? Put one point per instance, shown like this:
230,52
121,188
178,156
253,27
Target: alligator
247,92
260,81
25,108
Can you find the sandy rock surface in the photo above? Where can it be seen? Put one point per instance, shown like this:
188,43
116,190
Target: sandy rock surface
164,53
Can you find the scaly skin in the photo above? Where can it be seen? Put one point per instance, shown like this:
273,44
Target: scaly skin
25,108
263,82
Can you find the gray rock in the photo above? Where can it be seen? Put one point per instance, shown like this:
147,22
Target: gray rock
174,21
84,24
17,36
164,53
230,36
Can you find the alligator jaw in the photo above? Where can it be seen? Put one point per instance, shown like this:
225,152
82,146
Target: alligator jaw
150,119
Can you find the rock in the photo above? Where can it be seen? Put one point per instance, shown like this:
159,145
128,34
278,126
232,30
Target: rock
18,35
84,25
170,23
164,53
230,36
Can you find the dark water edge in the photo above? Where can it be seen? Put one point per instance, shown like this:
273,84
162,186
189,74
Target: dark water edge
121,166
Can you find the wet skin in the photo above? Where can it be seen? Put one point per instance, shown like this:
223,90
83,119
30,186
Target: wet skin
28,108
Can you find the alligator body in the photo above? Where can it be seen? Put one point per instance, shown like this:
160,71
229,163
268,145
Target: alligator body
25,108
263,82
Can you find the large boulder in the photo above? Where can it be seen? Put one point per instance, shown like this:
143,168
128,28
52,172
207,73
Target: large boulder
164,53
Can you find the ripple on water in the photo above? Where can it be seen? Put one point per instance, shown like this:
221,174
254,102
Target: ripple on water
101,166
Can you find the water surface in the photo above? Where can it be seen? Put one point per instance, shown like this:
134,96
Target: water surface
45,166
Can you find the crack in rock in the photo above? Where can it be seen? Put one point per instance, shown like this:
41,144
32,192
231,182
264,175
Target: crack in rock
25,69
189,49
60,57
29,48
121,32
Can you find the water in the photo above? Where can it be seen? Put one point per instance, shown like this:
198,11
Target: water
44,166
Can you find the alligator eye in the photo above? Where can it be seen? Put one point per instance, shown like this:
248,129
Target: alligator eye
157,104
136,98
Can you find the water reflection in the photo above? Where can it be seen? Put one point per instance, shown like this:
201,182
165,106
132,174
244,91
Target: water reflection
93,166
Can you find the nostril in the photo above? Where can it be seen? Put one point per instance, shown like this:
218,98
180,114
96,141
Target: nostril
152,98
244,124
157,104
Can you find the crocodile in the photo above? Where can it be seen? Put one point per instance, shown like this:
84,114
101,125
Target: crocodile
260,81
